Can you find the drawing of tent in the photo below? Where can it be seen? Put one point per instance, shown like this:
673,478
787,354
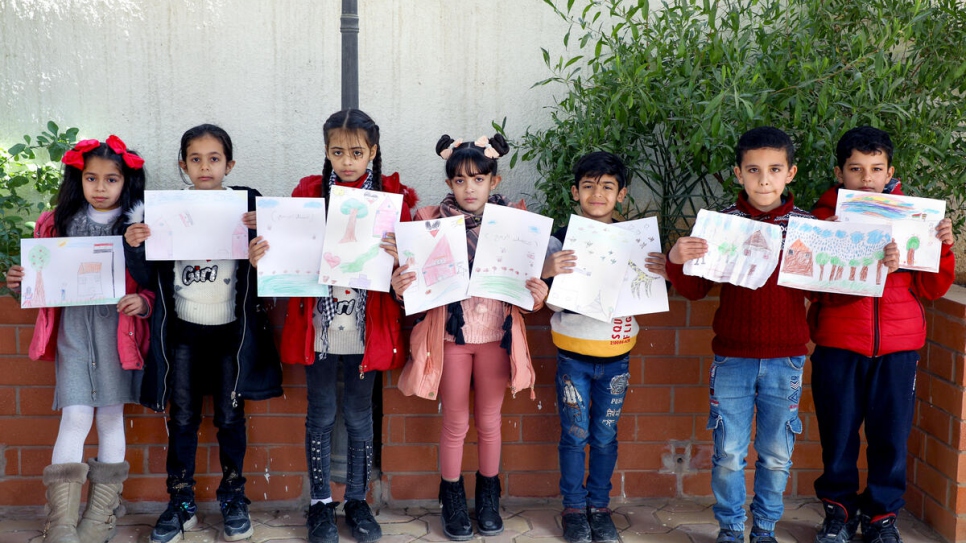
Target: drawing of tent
384,220
440,265
89,280
798,259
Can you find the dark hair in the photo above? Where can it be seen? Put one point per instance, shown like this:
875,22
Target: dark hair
764,137
353,120
70,198
866,140
598,164
468,158
201,131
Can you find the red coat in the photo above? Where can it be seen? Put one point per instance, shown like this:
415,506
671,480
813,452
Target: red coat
132,332
385,348
878,326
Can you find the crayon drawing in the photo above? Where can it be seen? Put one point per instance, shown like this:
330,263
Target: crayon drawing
294,229
642,292
511,248
741,251
839,257
196,224
913,221
355,225
436,251
62,272
602,253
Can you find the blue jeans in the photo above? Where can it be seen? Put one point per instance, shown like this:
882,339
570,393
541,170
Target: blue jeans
589,398
739,386
320,381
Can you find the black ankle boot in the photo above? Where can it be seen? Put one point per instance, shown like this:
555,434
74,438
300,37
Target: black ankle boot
455,517
488,504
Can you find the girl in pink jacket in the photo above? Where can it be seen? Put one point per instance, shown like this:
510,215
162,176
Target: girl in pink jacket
98,350
478,341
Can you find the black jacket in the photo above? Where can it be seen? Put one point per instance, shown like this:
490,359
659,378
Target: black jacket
258,365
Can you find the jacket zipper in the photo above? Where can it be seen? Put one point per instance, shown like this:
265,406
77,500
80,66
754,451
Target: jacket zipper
244,330
875,327
164,352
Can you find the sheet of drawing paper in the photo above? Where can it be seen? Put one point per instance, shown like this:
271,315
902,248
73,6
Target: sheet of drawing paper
61,272
741,251
602,254
294,229
196,224
913,221
436,251
828,256
357,220
642,292
511,248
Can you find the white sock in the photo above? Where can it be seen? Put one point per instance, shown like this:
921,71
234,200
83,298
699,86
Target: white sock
323,500
111,445
75,424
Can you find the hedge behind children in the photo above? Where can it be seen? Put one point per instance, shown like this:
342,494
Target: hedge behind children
592,366
211,337
759,346
864,363
98,350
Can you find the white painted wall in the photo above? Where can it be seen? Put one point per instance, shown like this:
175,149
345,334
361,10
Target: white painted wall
268,71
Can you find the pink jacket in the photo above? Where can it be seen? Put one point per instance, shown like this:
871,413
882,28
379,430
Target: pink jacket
132,332
423,370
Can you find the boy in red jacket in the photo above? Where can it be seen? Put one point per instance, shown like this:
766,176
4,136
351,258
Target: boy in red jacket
864,364
760,343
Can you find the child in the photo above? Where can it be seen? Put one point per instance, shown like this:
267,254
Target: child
759,349
478,341
360,329
865,358
592,368
211,337
98,350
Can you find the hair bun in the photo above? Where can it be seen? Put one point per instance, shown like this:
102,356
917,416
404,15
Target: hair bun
498,142
444,142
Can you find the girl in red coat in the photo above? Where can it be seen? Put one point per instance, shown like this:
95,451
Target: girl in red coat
356,328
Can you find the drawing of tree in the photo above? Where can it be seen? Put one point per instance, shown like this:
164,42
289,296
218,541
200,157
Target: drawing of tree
838,266
866,262
354,209
821,259
911,245
879,255
853,265
39,257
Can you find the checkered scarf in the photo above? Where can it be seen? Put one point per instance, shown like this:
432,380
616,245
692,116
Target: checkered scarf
326,306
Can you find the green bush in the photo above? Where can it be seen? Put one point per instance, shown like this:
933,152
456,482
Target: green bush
670,90
30,174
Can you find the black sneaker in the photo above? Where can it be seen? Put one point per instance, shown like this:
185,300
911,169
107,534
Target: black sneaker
602,529
321,523
178,518
729,536
576,527
359,518
238,525
838,526
762,536
881,529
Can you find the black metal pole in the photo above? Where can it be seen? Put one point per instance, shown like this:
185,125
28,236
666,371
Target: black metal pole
350,54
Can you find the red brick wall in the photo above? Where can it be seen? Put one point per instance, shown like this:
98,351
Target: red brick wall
665,449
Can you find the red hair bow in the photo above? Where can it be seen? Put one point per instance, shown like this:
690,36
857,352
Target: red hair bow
75,157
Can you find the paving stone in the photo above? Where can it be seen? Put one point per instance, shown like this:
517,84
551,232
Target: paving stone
643,520
543,523
23,536
680,518
414,528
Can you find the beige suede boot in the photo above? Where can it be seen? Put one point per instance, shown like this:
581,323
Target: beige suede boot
99,522
63,482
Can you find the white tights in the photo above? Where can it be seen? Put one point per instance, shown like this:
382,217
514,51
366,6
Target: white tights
75,424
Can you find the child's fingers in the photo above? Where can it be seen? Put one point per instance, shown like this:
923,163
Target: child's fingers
249,220
136,234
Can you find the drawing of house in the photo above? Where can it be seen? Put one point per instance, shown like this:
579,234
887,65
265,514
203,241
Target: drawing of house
239,241
756,246
798,259
89,280
440,264
385,218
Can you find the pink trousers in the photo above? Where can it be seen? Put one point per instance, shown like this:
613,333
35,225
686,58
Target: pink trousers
485,367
